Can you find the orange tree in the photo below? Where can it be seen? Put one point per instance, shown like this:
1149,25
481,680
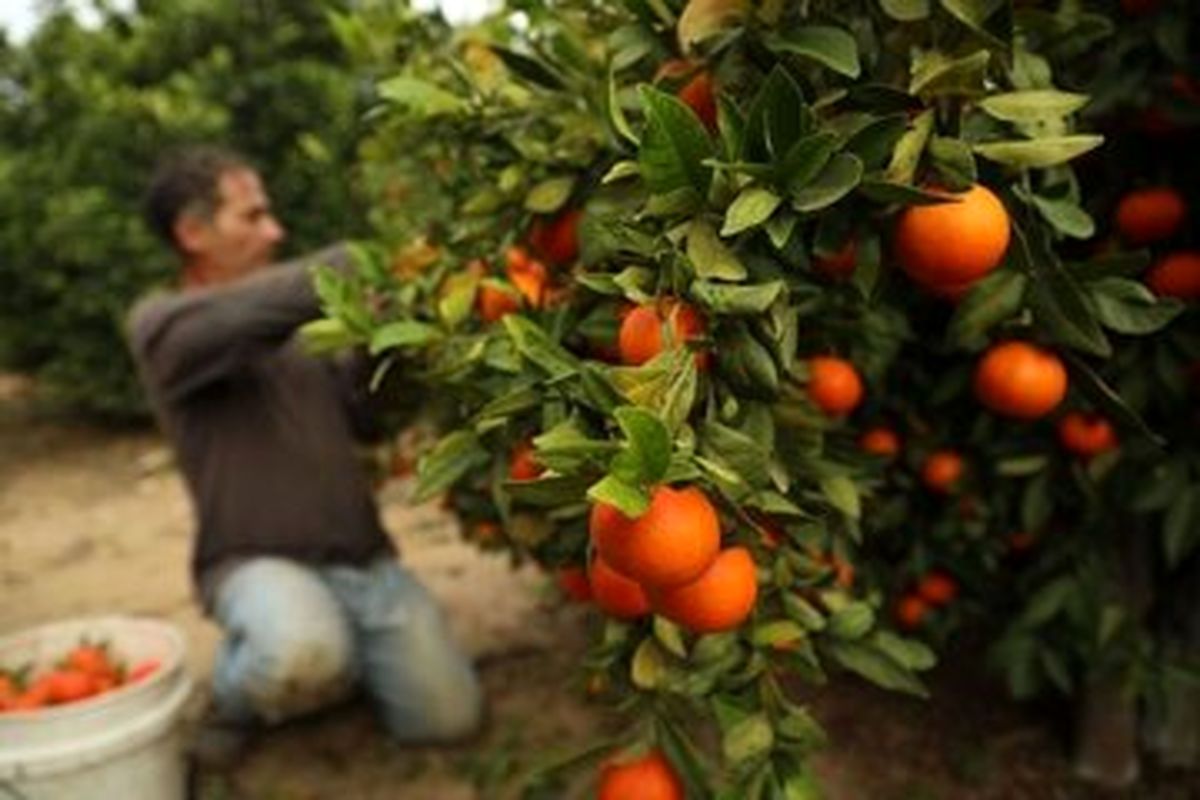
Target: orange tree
718,298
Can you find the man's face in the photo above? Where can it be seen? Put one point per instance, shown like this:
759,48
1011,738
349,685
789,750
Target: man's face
242,235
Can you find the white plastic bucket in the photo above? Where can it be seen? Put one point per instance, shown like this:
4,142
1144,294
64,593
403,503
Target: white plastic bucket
124,744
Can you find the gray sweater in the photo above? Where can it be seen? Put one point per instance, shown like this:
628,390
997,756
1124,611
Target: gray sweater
263,433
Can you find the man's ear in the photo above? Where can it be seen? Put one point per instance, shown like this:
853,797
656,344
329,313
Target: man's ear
191,232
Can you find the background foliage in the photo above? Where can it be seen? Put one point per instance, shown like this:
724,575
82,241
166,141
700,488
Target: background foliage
84,115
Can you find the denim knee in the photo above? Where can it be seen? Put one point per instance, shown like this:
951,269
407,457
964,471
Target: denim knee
298,673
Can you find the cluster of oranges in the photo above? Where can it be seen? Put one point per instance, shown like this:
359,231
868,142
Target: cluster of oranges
669,561
85,671
1152,217
553,243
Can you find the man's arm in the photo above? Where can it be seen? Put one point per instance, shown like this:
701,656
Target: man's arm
186,341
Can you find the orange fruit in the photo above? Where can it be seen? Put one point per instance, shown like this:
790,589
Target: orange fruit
942,470
1086,435
69,685
839,265
556,239
523,464
640,337
1146,216
947,247
1176,275
698,95
880,441
527,274
1020,380
1139,8
90,659
719,600
615,594
672,543
911,611
35,696
650,777
1021,542
142,670
494,302
937,588
834,385
573,581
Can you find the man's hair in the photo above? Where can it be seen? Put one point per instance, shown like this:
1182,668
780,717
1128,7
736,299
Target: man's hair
186,181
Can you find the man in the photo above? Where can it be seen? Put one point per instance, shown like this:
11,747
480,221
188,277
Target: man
290,557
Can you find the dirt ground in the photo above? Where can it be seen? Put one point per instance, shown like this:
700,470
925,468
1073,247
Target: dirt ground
95,521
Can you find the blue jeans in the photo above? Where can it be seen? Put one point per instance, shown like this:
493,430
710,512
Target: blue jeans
299,638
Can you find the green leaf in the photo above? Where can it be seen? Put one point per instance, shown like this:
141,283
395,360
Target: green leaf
549,195
702,19
752,207
888,193
876,666
453,457
907,154
991,301
852,622
777,118
669,636
953,160
631,500
1032,105
327,335
1065,216
725,298
1039,153
832,47
675,145
528,67
549,491
1048,602
781,631
749,738
1127,306
421,97
905,10
616,115
936,74
1084,378
806,158
910,653
1037,503
403,333
837,179
536,345
742,453
647,440
975,15
1181,527
620,171
709,255
876,141
1060,307
842,494
648,666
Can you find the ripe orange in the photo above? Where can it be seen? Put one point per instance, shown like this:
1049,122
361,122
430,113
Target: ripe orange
1021,542
1020,380
523,464
1176,275
494,302
719,600
942,470
697,94
142,670
672,543
1086,435
947,247
640,337
528,274
573,581
650,777
937,588
90,659
880,441
839,265
556,239
69,685
911,611
834,385
1146,216
615,594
